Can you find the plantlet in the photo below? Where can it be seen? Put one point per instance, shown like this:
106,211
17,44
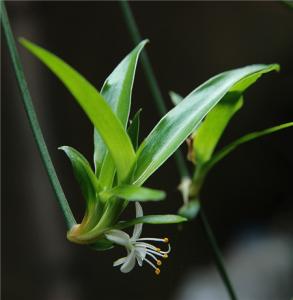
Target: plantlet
121,166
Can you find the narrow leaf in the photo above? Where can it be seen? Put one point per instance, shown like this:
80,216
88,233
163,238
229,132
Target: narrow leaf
152,219
183,119
117,88
117,91
94,105
212,128
190,210
89,185
244,139
137,193
102,245
85,176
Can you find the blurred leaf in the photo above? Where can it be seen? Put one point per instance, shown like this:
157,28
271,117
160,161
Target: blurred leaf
244,139
190,209
175,98
133,129
152,219
183,119
117,90
102,245
289,4
94,105
136,193
213,126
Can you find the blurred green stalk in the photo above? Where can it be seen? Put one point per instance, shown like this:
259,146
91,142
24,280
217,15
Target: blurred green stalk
32,117
182,168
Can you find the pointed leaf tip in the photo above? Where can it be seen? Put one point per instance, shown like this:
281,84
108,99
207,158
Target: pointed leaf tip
94,105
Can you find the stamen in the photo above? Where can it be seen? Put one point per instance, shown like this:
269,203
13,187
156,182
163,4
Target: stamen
158,271
159,263
150,263
151,247
166,240
146,245
157,253
154,239
168,251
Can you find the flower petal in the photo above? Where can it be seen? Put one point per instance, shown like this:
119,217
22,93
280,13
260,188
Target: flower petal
140,253
119,261
138,227
118,237
129,263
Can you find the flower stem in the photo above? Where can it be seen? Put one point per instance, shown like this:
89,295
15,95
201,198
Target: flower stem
32,117
217,254
150,77
182,168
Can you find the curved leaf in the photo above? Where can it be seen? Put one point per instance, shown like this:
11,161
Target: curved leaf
86,178
244,139
95,107
117,90
89,185
152,219
211,129
190,210
183,119
136,193
102,245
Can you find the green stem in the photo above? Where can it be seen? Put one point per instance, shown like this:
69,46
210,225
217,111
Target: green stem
150,77
217,254
32,117
182,168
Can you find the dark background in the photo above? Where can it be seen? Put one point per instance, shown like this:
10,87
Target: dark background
247,197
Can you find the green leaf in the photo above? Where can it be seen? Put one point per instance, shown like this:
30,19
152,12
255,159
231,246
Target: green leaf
190,210
89,185
183,119
117,91
94,105
212,128
117,88
86,178
175,98
136,193
244,139
133,129
102,245
152,219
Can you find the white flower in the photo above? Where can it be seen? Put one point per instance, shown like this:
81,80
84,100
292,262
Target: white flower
136,247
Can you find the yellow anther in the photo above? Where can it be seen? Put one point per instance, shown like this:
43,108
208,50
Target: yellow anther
158,271
158,249
165,255
159,263
166,240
